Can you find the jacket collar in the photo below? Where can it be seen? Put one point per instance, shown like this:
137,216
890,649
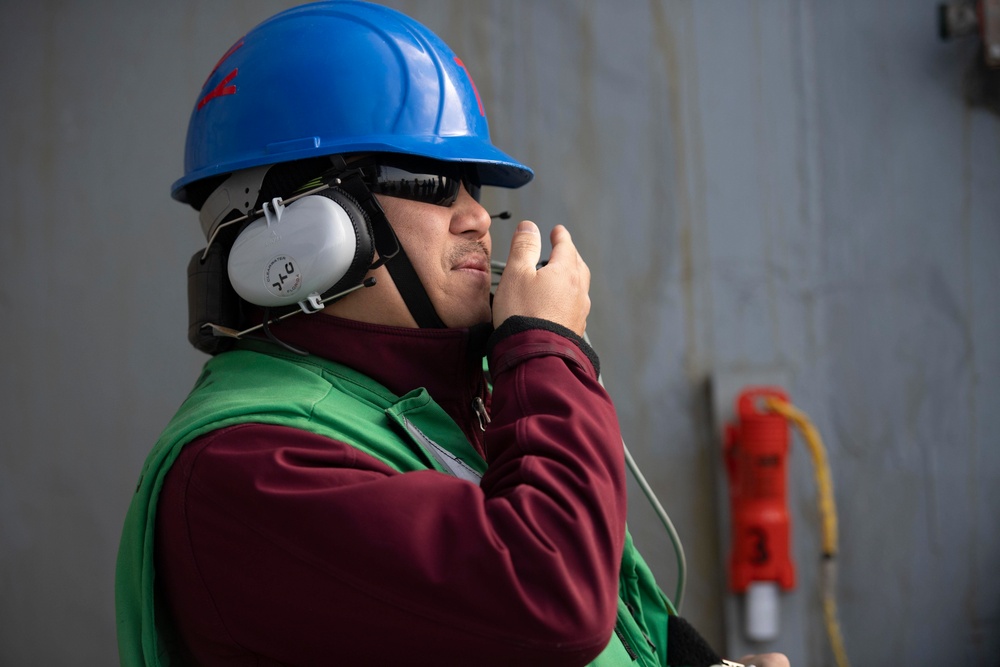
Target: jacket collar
446,362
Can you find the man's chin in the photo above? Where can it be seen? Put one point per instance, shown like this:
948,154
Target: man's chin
467,319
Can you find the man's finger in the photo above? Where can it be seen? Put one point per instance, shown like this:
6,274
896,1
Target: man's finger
525,245
563,248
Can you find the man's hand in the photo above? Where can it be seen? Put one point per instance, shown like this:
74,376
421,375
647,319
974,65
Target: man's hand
558,292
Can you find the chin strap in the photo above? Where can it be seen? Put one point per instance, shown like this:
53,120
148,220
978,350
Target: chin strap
392,255
413,292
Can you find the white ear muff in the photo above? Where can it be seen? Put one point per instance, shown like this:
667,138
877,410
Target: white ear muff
294,253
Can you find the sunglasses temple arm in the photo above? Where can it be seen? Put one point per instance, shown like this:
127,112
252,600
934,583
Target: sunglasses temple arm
386,243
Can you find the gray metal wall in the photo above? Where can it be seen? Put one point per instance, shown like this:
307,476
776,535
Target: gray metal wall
768,189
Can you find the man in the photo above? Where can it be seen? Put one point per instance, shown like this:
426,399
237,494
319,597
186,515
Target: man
346,486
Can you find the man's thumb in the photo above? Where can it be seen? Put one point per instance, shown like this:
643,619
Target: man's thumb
525,245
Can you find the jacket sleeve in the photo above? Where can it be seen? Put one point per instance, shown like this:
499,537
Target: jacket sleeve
293,548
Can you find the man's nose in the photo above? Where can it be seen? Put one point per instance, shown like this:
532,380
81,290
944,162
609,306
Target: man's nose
468,217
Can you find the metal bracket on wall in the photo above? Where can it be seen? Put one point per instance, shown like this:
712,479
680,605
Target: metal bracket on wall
981,81
991,31
964,19
957,19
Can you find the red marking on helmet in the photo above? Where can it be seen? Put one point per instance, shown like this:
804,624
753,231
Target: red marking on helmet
220,90
231,51
458,61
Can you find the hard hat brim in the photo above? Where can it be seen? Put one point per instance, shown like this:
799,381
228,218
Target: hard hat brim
495,167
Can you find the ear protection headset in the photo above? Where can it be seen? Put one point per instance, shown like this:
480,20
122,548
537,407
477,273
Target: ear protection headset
306,250
309,250
298,252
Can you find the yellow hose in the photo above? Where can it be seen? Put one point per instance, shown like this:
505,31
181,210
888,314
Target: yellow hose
828,519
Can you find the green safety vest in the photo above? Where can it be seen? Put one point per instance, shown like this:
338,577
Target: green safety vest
258,384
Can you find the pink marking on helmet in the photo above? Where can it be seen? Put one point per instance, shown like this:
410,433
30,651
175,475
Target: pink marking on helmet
225,56
221,89
458,61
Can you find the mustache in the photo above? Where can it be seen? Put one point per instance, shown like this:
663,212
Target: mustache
467,248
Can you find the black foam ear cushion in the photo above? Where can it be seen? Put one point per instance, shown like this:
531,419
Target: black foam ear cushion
364,252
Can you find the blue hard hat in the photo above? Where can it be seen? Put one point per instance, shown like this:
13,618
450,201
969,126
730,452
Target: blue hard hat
339,77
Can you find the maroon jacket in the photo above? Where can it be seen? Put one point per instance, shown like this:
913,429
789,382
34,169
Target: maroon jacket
277,546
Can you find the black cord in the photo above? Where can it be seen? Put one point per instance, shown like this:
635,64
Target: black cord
274,339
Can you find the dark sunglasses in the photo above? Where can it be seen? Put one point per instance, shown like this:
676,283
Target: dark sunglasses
432,183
